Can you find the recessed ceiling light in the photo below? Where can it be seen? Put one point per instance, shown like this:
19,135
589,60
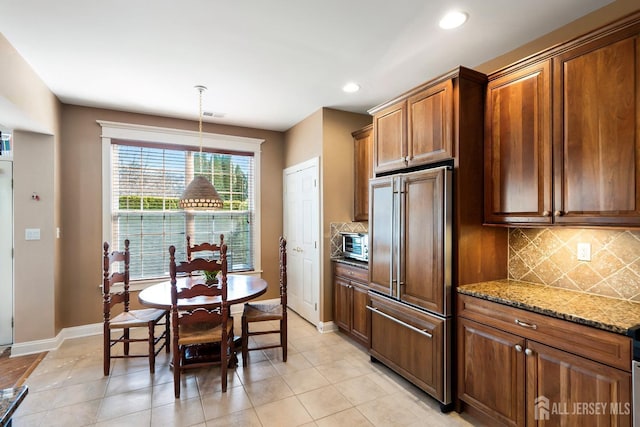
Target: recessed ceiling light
351,87
453,19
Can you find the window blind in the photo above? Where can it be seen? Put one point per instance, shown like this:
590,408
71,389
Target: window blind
147,181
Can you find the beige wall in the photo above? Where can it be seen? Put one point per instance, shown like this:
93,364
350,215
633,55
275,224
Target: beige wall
82,201
596,19
327,134
25,101
337,186
304,140
35,260
29,108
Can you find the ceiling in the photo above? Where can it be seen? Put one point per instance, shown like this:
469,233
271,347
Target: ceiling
267,64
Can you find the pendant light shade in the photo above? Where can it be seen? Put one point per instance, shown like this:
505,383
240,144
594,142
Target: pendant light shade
200,194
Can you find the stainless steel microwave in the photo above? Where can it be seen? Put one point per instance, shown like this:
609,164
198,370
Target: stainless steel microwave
355,245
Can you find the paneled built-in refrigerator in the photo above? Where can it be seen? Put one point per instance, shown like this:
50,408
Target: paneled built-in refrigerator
410,276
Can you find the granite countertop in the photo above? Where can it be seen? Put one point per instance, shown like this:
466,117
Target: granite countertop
10,399
609,314
352,262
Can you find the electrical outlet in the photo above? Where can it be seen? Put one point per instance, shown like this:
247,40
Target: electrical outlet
584,251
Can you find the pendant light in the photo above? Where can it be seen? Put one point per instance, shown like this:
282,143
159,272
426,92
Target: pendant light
200,194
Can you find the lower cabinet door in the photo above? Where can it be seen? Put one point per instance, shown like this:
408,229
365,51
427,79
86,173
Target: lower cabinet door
342,303
491,371
568,390
361,319
412,343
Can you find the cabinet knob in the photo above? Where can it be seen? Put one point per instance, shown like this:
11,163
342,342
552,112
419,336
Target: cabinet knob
558,213
518,348
546,213
528,352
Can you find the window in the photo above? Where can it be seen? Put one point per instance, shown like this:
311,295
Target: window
146,178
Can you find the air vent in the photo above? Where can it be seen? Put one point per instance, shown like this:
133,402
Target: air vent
215,115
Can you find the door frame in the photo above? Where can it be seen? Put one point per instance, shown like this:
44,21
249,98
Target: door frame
311,163
7,293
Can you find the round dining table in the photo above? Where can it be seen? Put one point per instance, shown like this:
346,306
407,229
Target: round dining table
240,288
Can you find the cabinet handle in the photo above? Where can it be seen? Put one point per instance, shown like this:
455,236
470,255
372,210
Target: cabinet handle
413,328
558,213
526,325
518,348
546,213
528,352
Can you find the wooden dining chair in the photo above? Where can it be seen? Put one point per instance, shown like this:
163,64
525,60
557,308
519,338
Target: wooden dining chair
202,325
125,320
202,247
268,312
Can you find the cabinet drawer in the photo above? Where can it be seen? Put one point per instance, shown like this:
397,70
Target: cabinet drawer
412,343
601,346
352,273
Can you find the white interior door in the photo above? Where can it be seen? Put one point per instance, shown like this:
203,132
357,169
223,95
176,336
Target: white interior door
301,228
6,252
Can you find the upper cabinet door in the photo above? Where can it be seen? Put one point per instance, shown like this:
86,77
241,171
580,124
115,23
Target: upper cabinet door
430,124
596,125
517,153
363,156
390,138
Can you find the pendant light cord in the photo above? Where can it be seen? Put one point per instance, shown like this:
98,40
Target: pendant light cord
200,89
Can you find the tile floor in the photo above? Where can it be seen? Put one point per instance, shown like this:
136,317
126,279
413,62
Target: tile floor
327,381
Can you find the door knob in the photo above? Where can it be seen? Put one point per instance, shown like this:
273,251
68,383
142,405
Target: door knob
518,348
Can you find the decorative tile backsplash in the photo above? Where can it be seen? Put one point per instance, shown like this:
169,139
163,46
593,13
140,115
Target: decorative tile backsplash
549,256
336,237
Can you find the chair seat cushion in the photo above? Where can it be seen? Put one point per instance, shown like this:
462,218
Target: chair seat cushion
260,312
202,333
135,318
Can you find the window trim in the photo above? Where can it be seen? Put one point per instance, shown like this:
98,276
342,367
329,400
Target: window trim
179,137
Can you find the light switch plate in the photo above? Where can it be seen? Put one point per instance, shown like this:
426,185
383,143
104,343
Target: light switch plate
31,234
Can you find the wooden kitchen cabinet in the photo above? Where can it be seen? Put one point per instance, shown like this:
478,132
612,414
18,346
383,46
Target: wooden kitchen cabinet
517,154
390,137
492,372
430,124
514,364
417,128
412,343
564,377
351,300
596,116
363,168
562,134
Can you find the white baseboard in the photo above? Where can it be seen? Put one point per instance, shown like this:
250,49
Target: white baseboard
325,327
50,344
31,347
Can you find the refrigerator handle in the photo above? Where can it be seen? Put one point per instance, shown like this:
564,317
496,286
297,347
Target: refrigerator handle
399,243
392,234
